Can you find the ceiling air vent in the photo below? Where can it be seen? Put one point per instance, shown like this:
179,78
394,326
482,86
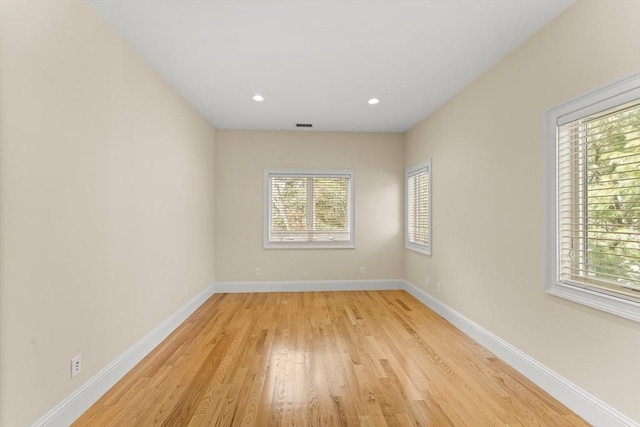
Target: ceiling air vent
303,125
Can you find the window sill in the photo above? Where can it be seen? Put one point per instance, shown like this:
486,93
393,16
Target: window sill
610,304
425,250
308,246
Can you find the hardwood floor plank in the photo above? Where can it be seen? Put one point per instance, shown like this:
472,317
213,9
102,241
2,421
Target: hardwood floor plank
374,358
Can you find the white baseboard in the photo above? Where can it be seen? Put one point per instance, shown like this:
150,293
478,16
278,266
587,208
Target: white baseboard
308,286
589,407
67,411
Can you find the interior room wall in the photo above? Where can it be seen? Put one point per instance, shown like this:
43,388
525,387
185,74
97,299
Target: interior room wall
486,145
242,156
106,201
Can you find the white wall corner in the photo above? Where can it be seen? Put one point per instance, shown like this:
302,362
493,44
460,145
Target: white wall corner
309,286
67,411
589,407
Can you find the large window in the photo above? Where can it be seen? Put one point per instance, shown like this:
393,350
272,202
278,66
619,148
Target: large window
593,154
418,208
308,209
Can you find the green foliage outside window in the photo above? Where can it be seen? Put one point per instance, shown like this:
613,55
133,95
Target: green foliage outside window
309,208
613,197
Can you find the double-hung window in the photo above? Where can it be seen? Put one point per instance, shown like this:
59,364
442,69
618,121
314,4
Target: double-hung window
418,207
593,198
308,208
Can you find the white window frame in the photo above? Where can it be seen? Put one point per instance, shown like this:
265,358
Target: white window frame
410,172
309,173
611,95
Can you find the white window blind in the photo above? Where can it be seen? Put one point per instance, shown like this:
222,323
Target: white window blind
598,194
418,189
309,209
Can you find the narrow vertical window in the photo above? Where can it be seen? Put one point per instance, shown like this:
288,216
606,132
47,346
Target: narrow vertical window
418,208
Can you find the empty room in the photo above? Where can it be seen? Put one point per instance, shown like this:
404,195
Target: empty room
317,213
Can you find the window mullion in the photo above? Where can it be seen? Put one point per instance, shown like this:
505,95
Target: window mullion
310,210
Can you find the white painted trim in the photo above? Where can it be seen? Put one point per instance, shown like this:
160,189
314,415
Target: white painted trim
589,407
308,286
67,411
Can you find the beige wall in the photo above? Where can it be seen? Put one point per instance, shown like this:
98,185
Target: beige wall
241,157
106,201
488,200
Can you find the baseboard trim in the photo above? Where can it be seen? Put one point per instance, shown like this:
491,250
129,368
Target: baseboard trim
308,286
67,411
589,407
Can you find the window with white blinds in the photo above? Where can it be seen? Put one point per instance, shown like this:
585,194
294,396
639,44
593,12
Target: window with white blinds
597,199
418,208
308,208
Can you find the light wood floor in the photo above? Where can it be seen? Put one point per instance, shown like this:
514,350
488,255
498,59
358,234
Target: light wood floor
323,358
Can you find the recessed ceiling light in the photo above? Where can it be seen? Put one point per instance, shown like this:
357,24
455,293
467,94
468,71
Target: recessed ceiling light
257,98
373,101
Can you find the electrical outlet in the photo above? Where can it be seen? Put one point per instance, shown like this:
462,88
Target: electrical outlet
438,288
362,270
258,271
426,282
76,365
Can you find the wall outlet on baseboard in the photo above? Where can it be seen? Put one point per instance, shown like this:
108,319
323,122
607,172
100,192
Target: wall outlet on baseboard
438,288
76,365
426,282
258,271
362,270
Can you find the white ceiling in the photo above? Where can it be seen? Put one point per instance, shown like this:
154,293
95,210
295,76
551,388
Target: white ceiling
320,61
